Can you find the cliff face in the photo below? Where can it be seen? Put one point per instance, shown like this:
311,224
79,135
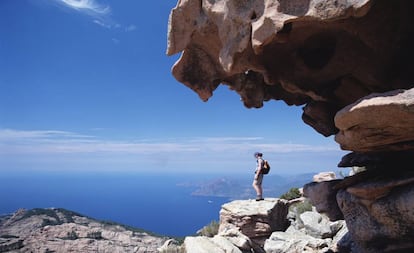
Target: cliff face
348,63
60,230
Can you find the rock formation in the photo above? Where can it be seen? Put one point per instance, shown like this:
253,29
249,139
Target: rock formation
273,225
255,220
347,62
61,231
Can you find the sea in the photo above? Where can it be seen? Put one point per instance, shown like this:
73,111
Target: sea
156,202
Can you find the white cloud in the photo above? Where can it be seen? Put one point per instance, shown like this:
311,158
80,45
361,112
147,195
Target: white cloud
15,135
63,150
100,13
103,24
130,28
54,142
88,6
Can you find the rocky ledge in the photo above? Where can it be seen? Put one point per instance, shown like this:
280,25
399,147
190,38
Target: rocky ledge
59,230
273,226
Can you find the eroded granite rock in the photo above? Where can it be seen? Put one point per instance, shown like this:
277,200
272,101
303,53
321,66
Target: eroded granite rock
59,230
348,63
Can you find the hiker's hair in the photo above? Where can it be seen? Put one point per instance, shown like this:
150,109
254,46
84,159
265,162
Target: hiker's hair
258,154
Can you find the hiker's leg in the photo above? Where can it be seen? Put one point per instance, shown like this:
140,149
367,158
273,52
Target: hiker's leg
256,187
257,184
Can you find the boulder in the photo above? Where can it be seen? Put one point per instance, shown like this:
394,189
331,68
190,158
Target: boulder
255,219
379,121
380,215
324,176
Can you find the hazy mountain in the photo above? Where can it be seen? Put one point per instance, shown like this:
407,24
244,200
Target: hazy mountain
240,187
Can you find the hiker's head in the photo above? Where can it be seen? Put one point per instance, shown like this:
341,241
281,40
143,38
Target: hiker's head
258,154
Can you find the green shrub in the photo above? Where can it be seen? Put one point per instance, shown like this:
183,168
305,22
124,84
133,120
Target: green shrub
293,193
42,211
52,213
71,236
8,236
301,207
210,230
97,235
173,246
49,222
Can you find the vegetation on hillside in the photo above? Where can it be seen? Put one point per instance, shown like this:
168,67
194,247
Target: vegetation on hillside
293,193
210,230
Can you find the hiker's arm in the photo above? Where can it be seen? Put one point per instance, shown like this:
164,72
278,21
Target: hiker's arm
259,167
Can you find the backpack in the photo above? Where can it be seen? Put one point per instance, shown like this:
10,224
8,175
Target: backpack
266,167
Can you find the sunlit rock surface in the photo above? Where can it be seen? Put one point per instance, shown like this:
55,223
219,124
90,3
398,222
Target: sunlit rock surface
61,231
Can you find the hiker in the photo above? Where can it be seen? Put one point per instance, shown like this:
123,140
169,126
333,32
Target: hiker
258,176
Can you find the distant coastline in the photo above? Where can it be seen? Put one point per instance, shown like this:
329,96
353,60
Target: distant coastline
149,201
171,205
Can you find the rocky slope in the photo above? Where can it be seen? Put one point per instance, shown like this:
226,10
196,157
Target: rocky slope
60,231
273,226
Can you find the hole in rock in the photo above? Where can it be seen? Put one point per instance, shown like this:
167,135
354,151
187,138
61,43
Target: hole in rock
318,50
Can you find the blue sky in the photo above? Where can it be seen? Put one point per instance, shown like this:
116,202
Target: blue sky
86,85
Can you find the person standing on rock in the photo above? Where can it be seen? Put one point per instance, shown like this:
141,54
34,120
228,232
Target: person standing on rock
258,176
